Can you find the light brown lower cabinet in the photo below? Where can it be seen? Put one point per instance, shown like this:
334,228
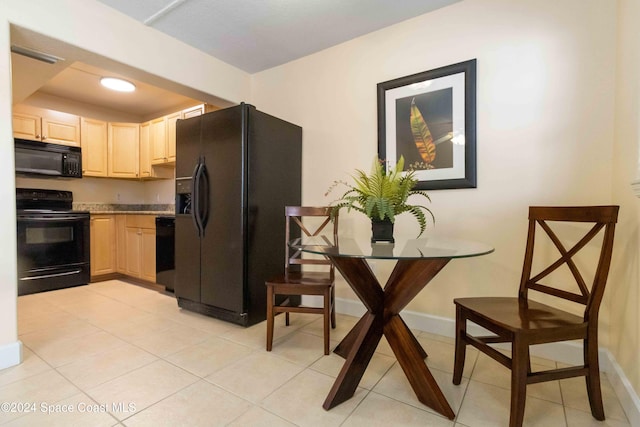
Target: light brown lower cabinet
121,244
124,244
140,242
103,244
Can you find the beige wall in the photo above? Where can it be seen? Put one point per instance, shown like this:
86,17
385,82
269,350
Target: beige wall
545,115
94,190
91,26
623,293
545,125
546,84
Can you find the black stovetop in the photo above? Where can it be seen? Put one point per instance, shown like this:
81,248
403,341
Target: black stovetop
33,199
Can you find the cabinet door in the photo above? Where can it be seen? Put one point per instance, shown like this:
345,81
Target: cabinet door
121,243
171,136
148,254
124,146
198,110
45,125
26,126
133,237
60,128
94,147
145,158
158,141
103,244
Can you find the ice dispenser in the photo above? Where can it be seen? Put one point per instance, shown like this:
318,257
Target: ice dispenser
183,195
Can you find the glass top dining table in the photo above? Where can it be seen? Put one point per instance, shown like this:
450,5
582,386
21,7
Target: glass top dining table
424,248
418,261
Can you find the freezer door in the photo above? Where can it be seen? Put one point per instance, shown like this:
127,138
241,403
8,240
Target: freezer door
187,242
187,146
222,151
187,259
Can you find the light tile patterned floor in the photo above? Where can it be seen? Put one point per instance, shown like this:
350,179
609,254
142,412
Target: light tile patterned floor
119,354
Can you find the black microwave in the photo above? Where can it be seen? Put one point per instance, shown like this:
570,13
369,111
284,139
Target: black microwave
45,159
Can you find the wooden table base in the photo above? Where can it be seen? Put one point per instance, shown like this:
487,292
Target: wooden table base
408,278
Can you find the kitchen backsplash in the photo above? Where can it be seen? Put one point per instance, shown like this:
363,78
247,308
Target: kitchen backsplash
123,207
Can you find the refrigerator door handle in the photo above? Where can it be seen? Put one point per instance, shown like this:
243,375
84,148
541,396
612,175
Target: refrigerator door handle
204,209
195,197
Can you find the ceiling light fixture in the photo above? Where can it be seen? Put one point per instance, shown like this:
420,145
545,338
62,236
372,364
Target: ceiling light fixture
120,85
35,54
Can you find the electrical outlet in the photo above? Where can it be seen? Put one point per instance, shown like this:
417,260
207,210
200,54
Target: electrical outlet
157,197
118,196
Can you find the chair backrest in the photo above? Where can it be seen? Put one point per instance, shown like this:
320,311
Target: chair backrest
294,216
603,219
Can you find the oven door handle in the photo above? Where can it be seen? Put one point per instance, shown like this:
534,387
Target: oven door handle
46,276
51,218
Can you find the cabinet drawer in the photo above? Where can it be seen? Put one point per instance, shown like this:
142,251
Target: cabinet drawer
141,221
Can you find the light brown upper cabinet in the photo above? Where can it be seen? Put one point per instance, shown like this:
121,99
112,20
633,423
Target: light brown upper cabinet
158,140
94,147
162,134
124,147
145,150
172,119
147,171
163,139
39,124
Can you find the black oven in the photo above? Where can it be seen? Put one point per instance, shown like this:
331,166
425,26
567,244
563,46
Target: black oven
52,244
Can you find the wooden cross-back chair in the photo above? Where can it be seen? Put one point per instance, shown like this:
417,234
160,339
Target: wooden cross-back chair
295,282
525,322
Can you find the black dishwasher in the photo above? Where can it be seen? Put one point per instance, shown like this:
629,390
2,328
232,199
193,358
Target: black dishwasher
165,251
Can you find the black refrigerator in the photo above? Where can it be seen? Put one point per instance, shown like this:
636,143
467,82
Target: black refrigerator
236,170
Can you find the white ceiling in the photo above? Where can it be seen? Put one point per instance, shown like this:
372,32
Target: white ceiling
75,82
254,35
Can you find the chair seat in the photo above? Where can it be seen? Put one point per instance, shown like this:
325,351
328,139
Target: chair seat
514,316
310,278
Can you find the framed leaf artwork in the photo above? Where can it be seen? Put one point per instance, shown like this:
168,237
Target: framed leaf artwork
430,119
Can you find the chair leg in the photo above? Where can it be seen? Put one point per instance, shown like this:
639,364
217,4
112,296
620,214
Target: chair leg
461,346
519,368
333,306
327,318
286,318
270,303
593,375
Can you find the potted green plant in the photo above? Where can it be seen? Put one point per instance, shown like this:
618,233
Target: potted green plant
382,195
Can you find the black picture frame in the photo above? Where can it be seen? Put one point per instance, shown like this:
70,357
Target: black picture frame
446,96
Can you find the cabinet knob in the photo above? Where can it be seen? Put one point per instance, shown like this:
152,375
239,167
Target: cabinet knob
37,136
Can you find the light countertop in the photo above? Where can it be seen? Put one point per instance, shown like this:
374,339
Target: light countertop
121,208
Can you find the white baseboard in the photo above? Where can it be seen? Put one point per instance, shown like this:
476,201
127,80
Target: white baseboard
10,354
565,352
624,390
